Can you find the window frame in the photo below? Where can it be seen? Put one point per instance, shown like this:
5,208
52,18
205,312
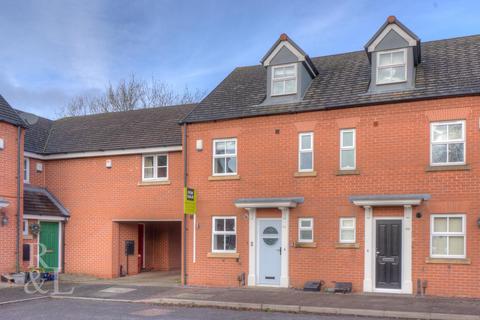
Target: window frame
341,228
300,228
311,150
353,147
448,235
26,170
448,142
25,227
155,167
224,233
273,79
214,156
404,64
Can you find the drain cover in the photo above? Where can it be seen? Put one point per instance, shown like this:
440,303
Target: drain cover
117,290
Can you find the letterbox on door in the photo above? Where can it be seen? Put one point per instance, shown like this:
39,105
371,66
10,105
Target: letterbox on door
129,247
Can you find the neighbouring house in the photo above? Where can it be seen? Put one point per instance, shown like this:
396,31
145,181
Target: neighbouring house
94,185
360,167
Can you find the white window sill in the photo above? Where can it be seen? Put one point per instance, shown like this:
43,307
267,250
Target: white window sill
347,245
154,183
447,260
302,244
224,177
301,174
447,167
223,255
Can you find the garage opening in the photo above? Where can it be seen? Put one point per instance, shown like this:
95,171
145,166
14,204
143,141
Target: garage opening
149,246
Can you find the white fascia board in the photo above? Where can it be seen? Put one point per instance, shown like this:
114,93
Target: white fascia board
282,44
146,220
106,153
43,218
286,204
411,42
373,203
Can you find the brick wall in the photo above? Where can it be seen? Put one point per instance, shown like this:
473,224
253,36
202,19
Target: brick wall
392,157
8,191
96,196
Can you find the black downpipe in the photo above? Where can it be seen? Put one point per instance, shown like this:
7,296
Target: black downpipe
185,182
19,186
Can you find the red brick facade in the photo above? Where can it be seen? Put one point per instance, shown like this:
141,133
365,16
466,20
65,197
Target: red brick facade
8,192
392,150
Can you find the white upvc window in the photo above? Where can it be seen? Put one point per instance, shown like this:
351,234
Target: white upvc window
347,230
224,234
447,143
448,236
347,149
25,227
224,157
284,79
305,230
26,170
305,152
155,167
392,66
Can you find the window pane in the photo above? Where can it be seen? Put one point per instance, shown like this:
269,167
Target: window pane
439,245
162,172
277,87
455,131
278,72
306,223
162,161
455,152
220,147
230,225
148,161
347,235
455,225
306,235
231,164
148,173
398,73
456,246
348,159
440,225
347,139
306,161
230,242
439,133
383,75
289,71
290,86
219,242
219,224
231,145
348,223
398,57
384,59
439,153
220,165
306,142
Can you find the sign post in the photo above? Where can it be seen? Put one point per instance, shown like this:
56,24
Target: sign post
190,201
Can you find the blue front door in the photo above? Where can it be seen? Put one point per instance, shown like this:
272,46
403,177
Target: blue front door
269,239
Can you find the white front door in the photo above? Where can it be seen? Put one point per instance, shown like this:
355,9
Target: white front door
269,240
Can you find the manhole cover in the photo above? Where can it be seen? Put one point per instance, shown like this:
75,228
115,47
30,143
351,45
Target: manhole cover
117,290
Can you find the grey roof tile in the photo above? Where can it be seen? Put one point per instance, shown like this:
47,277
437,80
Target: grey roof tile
449,68
8,114
39,201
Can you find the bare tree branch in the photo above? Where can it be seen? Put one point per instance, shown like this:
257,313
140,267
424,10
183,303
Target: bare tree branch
130,94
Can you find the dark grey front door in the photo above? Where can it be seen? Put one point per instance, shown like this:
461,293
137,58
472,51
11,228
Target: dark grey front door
388,260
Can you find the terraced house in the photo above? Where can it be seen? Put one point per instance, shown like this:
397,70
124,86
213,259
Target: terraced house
359,167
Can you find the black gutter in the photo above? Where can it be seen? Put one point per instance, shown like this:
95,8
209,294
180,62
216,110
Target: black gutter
185,183
19,186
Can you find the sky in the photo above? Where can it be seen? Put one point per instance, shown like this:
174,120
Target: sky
53,50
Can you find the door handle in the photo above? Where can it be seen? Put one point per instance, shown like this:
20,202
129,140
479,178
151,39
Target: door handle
280,250
49,251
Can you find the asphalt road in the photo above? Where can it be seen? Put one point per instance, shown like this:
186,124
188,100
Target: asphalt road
67,309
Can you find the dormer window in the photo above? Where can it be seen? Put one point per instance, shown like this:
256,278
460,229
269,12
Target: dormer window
391,67
284,79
